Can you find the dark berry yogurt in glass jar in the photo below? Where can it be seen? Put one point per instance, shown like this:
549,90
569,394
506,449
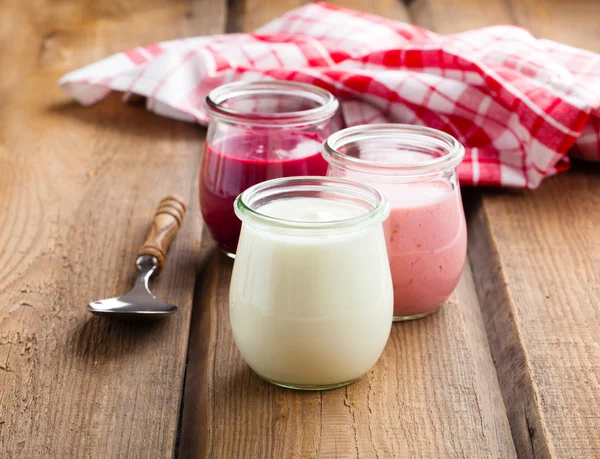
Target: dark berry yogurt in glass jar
257,132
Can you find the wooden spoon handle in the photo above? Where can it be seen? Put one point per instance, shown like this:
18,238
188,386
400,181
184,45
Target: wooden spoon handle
166,222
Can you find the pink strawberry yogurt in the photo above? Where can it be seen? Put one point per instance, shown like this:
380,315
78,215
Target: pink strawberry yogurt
426,236
426,239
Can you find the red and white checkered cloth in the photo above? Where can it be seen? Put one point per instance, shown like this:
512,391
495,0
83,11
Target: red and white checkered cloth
518,104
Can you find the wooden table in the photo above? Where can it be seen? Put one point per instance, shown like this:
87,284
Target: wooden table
510,366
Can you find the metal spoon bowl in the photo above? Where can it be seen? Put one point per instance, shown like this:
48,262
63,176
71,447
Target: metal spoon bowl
139,303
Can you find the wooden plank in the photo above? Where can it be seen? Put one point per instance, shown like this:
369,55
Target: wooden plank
574,23
452,16
78,187
542,310
535,256
434,393
247,15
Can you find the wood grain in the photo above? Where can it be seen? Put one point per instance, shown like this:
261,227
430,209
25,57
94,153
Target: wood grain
77,186
434,392
535,256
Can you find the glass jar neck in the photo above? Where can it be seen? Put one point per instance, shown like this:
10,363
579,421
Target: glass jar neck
271,103
393,150
248,204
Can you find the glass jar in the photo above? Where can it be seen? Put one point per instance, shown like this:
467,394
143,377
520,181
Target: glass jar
311,291
259,131
415,168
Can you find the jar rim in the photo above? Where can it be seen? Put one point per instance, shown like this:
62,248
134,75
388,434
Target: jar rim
410,135
247,211
327,103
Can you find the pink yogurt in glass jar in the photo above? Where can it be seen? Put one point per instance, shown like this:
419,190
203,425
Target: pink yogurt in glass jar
426,236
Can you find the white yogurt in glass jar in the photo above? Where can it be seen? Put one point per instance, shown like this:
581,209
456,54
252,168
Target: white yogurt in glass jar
311,294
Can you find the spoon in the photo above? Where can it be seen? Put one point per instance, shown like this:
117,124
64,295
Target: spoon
139,302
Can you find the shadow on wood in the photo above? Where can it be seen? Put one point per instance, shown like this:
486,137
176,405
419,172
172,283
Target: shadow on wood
111,338
132,118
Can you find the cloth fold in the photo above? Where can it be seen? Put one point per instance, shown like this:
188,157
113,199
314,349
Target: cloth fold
518,104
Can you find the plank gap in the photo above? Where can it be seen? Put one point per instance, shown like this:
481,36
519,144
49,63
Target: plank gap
181,406
234,13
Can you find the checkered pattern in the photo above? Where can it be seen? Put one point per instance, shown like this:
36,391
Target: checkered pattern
517,103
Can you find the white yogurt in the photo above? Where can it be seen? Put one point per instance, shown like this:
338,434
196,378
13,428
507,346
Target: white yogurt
311,307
